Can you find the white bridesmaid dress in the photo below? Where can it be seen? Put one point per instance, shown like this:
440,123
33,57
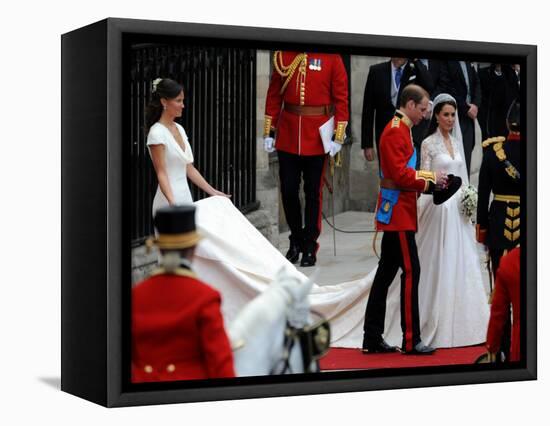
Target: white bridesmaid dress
176,160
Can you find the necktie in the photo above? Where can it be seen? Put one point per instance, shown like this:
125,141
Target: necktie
398,73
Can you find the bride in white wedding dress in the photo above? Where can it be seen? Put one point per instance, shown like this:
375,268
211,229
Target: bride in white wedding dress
452,298
238,261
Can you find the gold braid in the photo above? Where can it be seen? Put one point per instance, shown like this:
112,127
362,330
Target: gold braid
286,71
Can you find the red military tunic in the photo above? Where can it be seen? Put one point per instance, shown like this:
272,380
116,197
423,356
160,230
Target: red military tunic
178,331
507,291
396,149
310,80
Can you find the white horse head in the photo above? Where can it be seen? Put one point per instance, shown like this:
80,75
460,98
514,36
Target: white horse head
257,334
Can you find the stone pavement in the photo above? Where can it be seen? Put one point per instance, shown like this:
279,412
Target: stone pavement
354,255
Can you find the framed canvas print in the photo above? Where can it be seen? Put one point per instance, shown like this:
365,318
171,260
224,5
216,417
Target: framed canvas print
253,212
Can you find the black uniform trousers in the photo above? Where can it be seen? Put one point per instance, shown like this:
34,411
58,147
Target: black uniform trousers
398,251
292,169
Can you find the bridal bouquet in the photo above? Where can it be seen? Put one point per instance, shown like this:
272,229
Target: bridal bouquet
468,202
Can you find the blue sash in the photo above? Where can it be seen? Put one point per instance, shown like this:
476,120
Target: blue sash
389,197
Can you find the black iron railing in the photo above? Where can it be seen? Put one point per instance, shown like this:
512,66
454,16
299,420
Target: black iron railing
219,118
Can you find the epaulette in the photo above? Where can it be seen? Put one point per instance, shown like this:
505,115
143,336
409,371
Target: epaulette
501,155
490,141
396,122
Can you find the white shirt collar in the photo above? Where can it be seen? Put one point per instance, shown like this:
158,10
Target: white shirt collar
394,68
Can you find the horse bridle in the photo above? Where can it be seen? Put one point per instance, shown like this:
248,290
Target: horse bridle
314,342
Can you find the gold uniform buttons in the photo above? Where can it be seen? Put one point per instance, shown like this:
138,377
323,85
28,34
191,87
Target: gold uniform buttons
171,368
148,369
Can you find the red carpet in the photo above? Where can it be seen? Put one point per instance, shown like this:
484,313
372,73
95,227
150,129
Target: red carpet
350,359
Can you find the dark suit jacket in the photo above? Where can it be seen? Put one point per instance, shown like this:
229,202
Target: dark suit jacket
497,94
453,83
378,109
434,67
421,129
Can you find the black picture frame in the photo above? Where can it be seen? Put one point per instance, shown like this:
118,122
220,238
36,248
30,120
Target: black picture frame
95,256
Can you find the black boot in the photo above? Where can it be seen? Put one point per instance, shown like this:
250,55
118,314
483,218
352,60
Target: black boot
381,347
293,253
309,253
420,349
308,259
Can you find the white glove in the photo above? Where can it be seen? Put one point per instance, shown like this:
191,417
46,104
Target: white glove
334,148
269,144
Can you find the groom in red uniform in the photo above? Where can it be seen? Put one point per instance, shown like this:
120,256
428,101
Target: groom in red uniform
396,216
305,91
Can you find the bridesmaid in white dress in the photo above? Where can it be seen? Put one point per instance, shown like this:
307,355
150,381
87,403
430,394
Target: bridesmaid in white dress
452,297
169,147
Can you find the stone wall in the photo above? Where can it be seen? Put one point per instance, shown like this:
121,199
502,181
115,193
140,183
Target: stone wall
363,175
267,191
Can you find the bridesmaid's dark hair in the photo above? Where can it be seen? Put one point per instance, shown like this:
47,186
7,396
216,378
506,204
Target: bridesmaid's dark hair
433,123
166,89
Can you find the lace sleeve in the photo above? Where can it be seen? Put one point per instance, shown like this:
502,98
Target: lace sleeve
426,154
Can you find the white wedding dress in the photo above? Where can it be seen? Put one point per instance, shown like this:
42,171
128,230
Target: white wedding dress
453,303
236,259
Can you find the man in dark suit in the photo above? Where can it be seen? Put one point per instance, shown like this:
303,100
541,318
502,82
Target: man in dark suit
499,88
385,83
421,129
460,80
434,67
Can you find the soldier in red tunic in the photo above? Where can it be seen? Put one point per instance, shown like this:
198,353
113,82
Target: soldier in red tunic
396,216
507,292
177,326
305,91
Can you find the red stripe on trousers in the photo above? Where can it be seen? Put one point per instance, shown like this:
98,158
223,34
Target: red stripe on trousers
320,215
408,291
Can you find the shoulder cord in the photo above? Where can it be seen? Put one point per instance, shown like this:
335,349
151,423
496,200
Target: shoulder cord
286,71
